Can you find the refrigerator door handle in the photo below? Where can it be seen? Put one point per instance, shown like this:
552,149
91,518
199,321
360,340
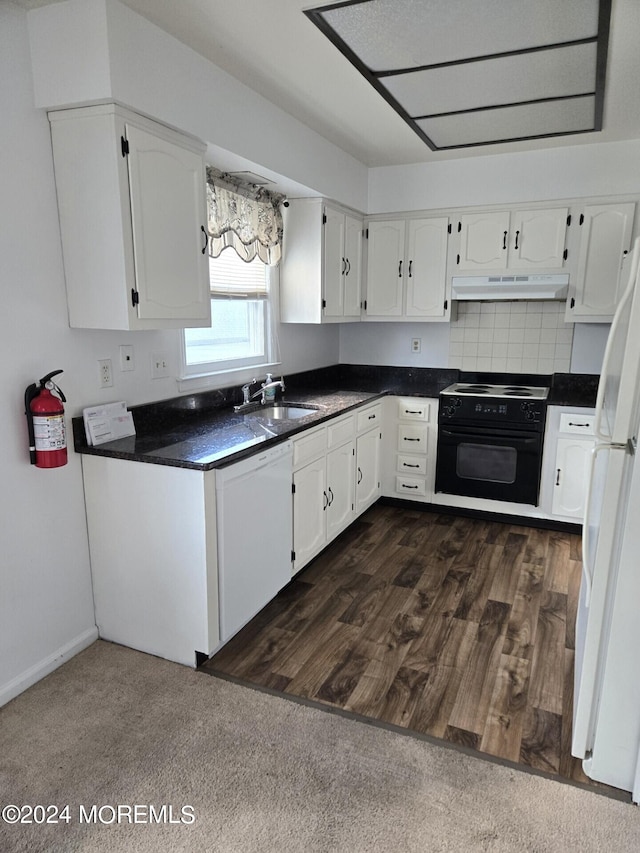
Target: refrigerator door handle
621,310
586,540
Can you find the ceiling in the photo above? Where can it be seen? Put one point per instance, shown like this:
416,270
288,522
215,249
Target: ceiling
275,49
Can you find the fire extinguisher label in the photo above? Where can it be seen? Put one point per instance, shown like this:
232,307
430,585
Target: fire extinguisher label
49,432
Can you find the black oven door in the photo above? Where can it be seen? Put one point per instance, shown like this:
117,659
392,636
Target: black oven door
499,464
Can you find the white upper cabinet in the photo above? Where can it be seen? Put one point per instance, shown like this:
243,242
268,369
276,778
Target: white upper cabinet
353,231
426,272
537,239
385,257
483,240
512,240
406,269
321,271
606,232
132,207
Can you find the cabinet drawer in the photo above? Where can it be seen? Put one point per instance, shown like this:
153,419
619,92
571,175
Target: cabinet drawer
368,417
412,464
412,409
411,486
577,424
309,446
412,438
340,430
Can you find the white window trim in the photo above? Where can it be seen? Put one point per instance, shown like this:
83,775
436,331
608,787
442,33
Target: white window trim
239,375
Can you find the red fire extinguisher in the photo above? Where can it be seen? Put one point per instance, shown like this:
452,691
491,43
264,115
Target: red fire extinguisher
45,420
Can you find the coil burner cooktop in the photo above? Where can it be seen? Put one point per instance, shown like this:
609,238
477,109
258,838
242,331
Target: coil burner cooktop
524,392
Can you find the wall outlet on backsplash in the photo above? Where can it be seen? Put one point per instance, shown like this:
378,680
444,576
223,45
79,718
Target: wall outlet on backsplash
512,337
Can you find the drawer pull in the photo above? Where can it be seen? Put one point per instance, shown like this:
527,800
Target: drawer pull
412,412
372,417
404,438
578,425
409,465
405,486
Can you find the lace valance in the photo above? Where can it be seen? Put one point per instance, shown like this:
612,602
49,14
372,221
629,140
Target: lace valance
243,217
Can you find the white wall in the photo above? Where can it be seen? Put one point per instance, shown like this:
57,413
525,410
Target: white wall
133,62
45,604
46,611
526,176
390,343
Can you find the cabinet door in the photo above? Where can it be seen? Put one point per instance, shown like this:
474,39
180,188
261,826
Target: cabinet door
367,469
483,241
309,510
340,489
333,262
353,266
167,184
537,239
426,266
385,258
605,237
571,477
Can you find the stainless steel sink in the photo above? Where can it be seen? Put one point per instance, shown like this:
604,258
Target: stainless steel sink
283,412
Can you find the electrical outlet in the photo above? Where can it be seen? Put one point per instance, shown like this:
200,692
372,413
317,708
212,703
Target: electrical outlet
105,376
126,357
159,365
416,344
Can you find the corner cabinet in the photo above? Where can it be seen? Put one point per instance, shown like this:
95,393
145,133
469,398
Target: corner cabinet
512,240
606,233
132,208
321,272
406,269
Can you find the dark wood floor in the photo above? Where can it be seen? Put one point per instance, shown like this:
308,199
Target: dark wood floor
452,627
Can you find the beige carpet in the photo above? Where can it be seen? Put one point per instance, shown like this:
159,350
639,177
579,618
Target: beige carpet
116,727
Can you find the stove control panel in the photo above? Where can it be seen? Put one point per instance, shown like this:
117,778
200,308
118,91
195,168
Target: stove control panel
497,411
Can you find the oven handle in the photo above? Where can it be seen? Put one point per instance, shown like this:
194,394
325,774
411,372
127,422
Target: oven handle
487,435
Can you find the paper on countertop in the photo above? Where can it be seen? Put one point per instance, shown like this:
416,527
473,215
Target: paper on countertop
107,422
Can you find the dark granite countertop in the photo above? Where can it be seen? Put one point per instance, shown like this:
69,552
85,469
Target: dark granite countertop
201,431
218,437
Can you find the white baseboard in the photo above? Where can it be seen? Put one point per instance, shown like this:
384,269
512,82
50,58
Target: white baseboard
44,667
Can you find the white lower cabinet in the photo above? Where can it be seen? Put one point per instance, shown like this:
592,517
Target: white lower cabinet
340,489
573,458
336,477
153,546
410,468
309,507
569,440
367,469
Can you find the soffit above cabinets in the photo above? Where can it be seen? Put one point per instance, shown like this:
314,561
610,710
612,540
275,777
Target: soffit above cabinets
463,73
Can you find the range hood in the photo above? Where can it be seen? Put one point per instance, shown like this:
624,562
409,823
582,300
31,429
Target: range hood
493,287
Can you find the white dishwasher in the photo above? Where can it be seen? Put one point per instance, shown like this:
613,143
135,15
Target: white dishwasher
254,523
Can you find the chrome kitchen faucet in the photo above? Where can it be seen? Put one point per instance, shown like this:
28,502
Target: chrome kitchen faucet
248,398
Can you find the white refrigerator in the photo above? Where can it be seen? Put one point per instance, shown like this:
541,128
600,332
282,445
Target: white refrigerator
606,714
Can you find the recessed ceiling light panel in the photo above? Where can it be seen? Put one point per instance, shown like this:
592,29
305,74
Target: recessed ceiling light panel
465,73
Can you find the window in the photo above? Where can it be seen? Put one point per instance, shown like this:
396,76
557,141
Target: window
241,333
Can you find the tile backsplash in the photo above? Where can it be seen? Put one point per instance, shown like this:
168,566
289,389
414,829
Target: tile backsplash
516,337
